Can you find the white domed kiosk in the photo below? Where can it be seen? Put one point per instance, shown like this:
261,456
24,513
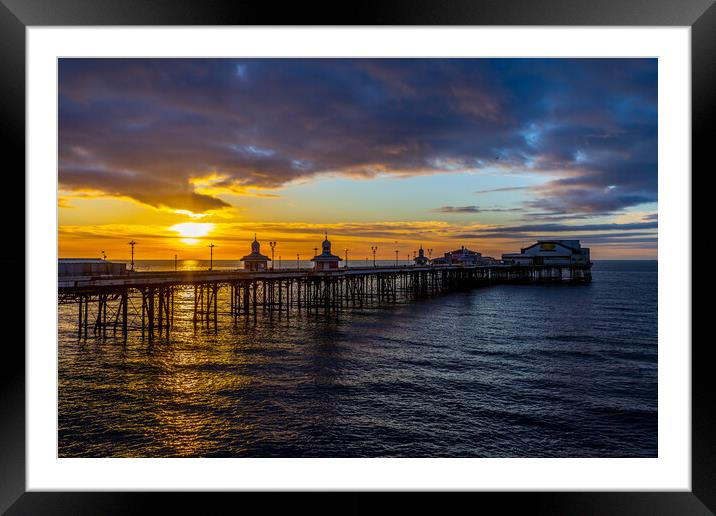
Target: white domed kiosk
255,261
325,261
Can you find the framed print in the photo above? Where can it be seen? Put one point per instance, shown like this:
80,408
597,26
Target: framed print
414,250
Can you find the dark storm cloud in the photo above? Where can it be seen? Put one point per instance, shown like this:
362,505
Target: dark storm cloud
611,233
148,129
561,228
457,209
617,236
472,209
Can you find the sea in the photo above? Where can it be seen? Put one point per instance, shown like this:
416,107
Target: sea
544,370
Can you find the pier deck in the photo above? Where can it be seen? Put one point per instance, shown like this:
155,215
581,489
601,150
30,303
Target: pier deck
145,301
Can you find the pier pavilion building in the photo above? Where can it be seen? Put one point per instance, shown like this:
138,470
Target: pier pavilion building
421,259
550,252
255,261
89,267
326,261
462,256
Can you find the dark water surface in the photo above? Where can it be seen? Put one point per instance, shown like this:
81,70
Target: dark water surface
503,371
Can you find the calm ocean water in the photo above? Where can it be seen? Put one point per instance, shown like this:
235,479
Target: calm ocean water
502,371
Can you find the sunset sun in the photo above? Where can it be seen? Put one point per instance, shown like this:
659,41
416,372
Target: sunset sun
192,231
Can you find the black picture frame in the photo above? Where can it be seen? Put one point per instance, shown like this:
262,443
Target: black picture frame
17,15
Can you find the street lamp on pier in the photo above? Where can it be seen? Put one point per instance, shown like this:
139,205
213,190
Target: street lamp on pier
273,245
211,256
396,257
374,248
298,261
346,251
132,243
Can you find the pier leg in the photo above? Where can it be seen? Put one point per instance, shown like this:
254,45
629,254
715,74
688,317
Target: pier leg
207,311
79,320
86,315
280,297
254,285
238,299
196,299
98,319
116,317
246,299
144,312
160,310
150,314
216,304
125,300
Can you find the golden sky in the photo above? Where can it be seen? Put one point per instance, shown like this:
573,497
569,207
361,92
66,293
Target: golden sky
491,154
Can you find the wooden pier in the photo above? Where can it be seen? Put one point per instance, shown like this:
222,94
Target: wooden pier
145,301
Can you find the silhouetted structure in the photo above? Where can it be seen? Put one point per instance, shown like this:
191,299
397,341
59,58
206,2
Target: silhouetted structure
421,259
326,260
550,252
255,261
462,256
145,300
88,267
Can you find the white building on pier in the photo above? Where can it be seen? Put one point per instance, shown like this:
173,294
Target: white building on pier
255,261
326,261
89,267
550,252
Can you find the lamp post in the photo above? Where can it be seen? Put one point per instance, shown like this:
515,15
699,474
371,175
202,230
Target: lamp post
298,261
273,245
430,254
346,251
211,257
132,243
396,257
374,248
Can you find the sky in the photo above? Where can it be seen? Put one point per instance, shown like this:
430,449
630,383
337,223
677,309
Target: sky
490,154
